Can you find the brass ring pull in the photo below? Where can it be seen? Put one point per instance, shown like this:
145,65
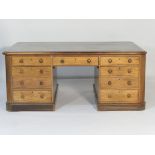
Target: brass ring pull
129,60
110,60
62,61
41,71
21,61
109,96
129,70
21,71
128,95
110,71
89,60
42,96
41,60
22,96
41,82
22,83
129,83
109,82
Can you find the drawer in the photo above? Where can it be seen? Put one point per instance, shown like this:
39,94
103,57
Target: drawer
86,61
119,83
31,61
119,71
26,83
63,61
119,96
31,71
29,97
120,60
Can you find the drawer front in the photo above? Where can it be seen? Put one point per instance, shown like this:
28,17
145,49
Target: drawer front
62,61
119,83
119,96
86,61
29,97
119,71
122,60
22,83
31,71
31,61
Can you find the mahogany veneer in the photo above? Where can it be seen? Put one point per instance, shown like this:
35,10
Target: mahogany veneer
31,73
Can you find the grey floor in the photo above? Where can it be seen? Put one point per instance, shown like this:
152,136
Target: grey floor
76,114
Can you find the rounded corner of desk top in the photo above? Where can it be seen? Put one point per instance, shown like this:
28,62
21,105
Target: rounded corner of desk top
4,53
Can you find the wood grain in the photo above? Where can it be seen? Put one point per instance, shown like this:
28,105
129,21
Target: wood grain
119,73
132,71
119,60
31,82
32,71
80,61
119,96
31,61
30,97
119,83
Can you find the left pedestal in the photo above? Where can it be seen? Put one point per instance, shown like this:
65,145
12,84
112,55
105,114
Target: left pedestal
31,83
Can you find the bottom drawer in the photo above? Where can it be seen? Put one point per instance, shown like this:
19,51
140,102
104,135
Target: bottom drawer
32,97
119,96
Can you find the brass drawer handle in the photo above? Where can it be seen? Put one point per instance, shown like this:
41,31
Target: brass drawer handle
41,82
128,95
110,71
22,83
41,71
21,71
21,61
62,61
129,70
110,60
109,96
89,60
41,60
109,83
22,96
129,83
129,60
42,96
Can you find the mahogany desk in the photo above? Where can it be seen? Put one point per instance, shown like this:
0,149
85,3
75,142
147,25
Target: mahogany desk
31,73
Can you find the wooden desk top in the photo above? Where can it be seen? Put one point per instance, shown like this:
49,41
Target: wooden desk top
73,47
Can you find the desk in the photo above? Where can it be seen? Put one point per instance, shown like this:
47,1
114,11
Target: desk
119,82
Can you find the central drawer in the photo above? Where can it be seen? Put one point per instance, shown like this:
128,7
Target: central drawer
29,97
28,83
119,83
68,61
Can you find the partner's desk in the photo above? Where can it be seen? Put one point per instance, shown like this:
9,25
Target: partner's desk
31,73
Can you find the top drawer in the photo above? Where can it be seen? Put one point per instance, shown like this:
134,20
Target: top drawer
119,60
31,61
79,61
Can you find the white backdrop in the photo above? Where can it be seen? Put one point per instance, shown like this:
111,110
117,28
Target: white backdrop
141,32
83,118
